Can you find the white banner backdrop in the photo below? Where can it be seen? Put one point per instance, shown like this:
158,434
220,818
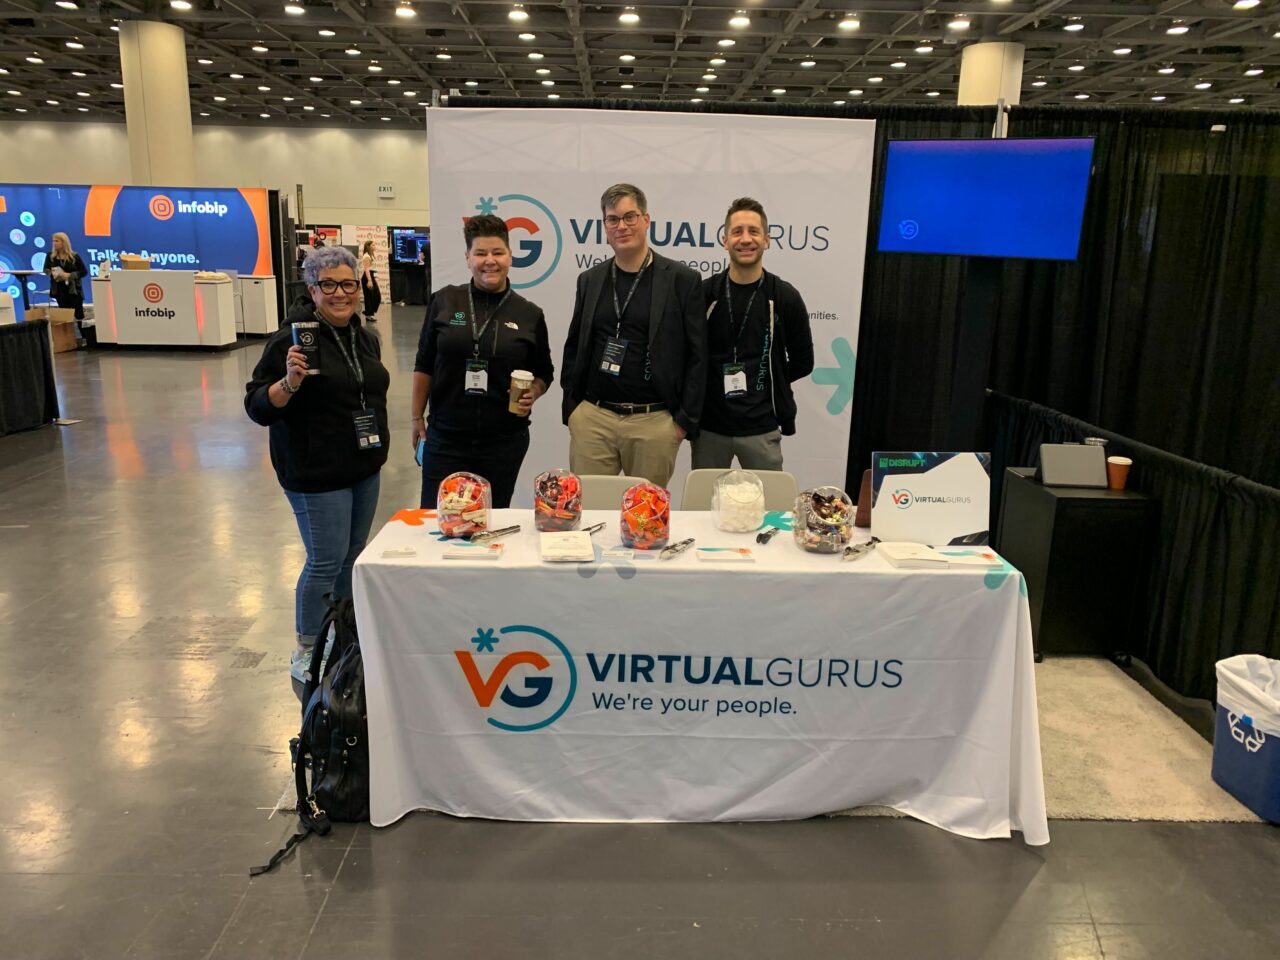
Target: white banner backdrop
543,171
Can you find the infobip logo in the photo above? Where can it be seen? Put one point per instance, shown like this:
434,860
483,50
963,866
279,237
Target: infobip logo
532,679
162,208
535,236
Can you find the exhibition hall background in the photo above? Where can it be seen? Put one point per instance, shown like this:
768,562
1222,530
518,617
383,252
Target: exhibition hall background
1161,336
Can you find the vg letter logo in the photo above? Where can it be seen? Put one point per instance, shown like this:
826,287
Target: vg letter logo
526,685
902,499
536,239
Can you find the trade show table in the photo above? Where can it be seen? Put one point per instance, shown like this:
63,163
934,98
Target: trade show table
637,689
172,308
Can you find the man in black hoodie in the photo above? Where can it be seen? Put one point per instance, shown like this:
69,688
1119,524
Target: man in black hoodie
758,344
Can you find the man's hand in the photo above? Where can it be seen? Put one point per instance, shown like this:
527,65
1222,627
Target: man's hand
418,432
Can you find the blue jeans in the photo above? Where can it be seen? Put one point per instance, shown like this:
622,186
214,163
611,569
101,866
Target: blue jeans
334,527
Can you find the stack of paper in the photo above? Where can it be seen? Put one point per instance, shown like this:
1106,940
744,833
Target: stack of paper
573,546
917,556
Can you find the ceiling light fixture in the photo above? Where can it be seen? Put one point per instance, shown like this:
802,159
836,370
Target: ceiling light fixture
236,76
117,86
74,73
1177,28
518,13
19,109
1166,70
205,63
535,55
326,33
729,41
1074,26
265,116
708,76
1039,83
1076,67
316,79
74,45
287,99
629,16
932,93
806,64
718,61
473,83
180,4
855,93
52,103
548,83
695,99
740,20
1159,98
850,22
959,23
308,107
1253,72
259,48
542,71
202,113
627,57
294,9
220,99
528,36
66,5
14,93
553,96
442,55
414,93
838,103
1232,100
34,59
352,52
1082,96
263,89
393,83
406,12
704,90
1245,5
384,118
924,48
355,103
627,86
899,64
1203,85
1122,51
778,91
82,93
875,79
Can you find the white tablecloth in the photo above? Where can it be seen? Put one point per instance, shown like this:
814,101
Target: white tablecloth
683,690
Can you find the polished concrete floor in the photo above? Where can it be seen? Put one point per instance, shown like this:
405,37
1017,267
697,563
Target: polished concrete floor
147,560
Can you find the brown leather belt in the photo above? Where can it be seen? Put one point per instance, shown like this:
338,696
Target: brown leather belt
626,409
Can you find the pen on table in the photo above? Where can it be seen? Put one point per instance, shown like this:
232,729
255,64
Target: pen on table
487,535
767,534
595,527
675,549
860,549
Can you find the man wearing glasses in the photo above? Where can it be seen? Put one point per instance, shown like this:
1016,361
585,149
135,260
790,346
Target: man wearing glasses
635,359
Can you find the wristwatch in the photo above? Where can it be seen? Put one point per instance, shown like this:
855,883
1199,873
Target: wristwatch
284,385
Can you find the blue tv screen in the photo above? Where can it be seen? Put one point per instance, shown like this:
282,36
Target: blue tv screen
986,198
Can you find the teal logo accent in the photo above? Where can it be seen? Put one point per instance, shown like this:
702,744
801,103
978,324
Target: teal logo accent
782,519
996,575
839,376
537,241
624,568
459,319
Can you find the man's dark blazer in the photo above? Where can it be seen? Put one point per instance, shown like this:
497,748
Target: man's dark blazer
677,339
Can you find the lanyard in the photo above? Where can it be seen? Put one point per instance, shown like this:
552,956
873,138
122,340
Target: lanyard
728,301
476,335
352,358
619,310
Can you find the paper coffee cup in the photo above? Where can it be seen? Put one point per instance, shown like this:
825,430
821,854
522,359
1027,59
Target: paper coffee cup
1118,472
306,334
521,383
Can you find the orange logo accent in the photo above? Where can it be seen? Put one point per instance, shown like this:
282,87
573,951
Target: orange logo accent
161,207
153,293
414,518
486,690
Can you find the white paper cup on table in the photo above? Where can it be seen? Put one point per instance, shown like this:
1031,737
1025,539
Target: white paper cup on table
521,383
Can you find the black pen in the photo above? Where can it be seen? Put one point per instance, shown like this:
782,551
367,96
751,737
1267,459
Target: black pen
595,527
675,549
486,535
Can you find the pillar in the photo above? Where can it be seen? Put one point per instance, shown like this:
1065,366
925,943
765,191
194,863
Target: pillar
989,72
157,103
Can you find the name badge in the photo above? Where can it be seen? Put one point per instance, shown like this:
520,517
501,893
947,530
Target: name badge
615,351
366,423
735,380
477,382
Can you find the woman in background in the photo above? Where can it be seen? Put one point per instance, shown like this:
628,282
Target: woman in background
66,275
369,282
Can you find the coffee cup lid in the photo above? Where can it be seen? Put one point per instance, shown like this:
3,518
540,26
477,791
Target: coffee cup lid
1120,461
521,375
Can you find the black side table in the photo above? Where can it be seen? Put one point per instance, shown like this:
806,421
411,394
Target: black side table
1085,554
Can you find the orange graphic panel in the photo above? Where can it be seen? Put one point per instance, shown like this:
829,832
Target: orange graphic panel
97,210
257,201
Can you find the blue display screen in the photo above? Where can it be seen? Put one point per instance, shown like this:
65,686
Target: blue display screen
986,198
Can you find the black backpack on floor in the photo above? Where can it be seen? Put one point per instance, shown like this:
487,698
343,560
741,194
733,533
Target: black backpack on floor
334,735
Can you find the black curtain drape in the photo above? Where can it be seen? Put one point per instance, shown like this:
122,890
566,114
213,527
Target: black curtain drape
1214,587
28,393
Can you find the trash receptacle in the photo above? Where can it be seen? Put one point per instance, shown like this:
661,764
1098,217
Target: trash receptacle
1246,740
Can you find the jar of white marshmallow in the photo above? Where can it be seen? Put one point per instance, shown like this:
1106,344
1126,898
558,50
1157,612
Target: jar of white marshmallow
738,502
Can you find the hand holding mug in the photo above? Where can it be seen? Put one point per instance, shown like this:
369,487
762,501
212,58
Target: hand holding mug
295,366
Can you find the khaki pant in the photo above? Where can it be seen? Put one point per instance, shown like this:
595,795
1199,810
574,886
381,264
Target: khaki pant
636,445
760,452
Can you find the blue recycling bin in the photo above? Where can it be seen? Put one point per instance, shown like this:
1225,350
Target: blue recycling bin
1246,763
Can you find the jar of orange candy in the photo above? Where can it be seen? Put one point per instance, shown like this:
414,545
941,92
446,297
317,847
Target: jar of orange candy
463,504
557,501
646,517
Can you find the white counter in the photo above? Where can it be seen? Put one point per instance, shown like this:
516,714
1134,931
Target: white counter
164,308
258,297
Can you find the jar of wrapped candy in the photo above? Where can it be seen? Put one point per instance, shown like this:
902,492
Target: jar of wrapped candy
824,520
738,502
646,517
463,504
557,501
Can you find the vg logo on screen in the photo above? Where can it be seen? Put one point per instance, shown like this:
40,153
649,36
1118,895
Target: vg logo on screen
537,242
521,678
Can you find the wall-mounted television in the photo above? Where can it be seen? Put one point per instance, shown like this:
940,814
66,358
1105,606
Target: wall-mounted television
406,242
986,198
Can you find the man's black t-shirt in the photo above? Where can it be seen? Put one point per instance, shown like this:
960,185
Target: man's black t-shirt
753,413
634,383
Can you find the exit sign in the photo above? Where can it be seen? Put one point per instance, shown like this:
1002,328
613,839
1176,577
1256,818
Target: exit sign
386,191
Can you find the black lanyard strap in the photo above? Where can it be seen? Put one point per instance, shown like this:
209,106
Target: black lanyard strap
477,334
746,315
352,358
620,309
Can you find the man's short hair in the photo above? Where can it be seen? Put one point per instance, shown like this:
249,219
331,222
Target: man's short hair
746,203
619,192
485,225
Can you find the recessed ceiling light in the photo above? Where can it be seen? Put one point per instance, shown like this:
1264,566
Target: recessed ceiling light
1245,5
628,86
1122,51
81,73
778,91
932,93
1253,72
695,99
86,109
74,45
1232,100
629,16
924,48
528,36
220,99
518,13
352,52
1166,70
1076,67
855,93
263,89
718,61
1177,28
1203,85
82,93
115,28
265,116
838,103
393,83
729,42
473,83
534,55
808,63
708,76
704,89
355,103
14,93
406,12
259,48
202,113
958,23
117,86
4,72
627,57
850,22
414,93
180,4
898,64
19,109
1039,83
287,99
52,103
308,107
548,83
34,59
553,96
294,10
542,71
1075,26
236,76
326,115
66,5
316,79
1082,96
204,62
440,56
384,118
875,79
740,20
326,33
